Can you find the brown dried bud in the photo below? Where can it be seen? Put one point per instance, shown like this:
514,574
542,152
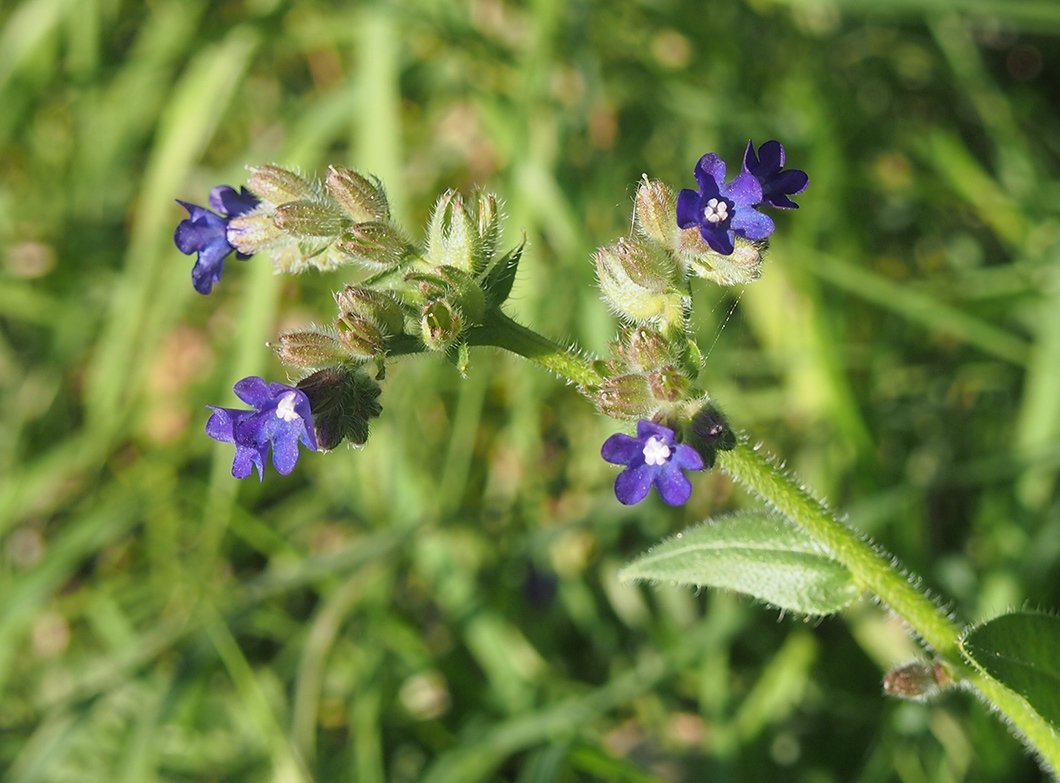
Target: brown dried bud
656,213
625,397
378,246
917,680
668,384
380,306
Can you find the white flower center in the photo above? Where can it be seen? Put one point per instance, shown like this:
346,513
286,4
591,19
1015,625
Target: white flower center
285,407
716,211
656,452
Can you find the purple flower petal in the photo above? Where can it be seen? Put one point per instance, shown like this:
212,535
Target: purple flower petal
253,391
633,483
230,202
710,173
649,429
621,449
745,191
753,224
720,240
673,485
689,209
687,458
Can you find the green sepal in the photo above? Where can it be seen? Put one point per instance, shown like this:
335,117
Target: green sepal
501,276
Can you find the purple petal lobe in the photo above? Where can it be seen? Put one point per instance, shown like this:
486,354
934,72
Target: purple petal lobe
687,458
753,224
745,191
673,486
689,209
710,174
649,429
253,391
621,449
633,483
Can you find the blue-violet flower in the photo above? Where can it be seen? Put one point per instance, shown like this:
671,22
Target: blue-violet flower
766,167
720,211
280,418
650,458
206,233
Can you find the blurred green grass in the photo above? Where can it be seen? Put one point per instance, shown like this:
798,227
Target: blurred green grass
442,605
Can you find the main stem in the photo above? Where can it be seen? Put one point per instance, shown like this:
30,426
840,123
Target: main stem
872,568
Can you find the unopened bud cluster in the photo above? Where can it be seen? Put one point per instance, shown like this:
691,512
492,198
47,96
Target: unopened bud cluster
425,298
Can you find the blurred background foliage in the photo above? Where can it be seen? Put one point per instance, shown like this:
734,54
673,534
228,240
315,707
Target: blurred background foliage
441,605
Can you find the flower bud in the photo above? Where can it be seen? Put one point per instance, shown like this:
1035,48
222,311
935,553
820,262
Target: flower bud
743,265
380,306
343,400
362,337
309,349
452,237
378,246
708,433
917,680
642,349
640,283
656,208
253,232
489,230
275,185
362,198
668,384
454,285
625,397
441,325
309,219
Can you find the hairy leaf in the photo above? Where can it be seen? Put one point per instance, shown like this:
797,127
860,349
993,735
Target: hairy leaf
758,554
1022,651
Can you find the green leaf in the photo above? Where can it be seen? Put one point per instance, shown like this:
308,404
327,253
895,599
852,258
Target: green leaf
754,553
1022,651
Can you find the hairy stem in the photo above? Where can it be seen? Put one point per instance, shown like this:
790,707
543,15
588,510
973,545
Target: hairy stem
872,568
502,332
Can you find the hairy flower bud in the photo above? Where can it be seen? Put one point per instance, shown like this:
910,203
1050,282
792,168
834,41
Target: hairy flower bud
275,185
452,237
640,283
625,397
253,232
362,337
454,285
378,246
668,384
656,206
309,219
308,350
917,680
743,265
380,306
489,230
642,349
362,198
441,325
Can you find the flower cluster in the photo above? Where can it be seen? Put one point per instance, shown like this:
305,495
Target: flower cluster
723,211
445,296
